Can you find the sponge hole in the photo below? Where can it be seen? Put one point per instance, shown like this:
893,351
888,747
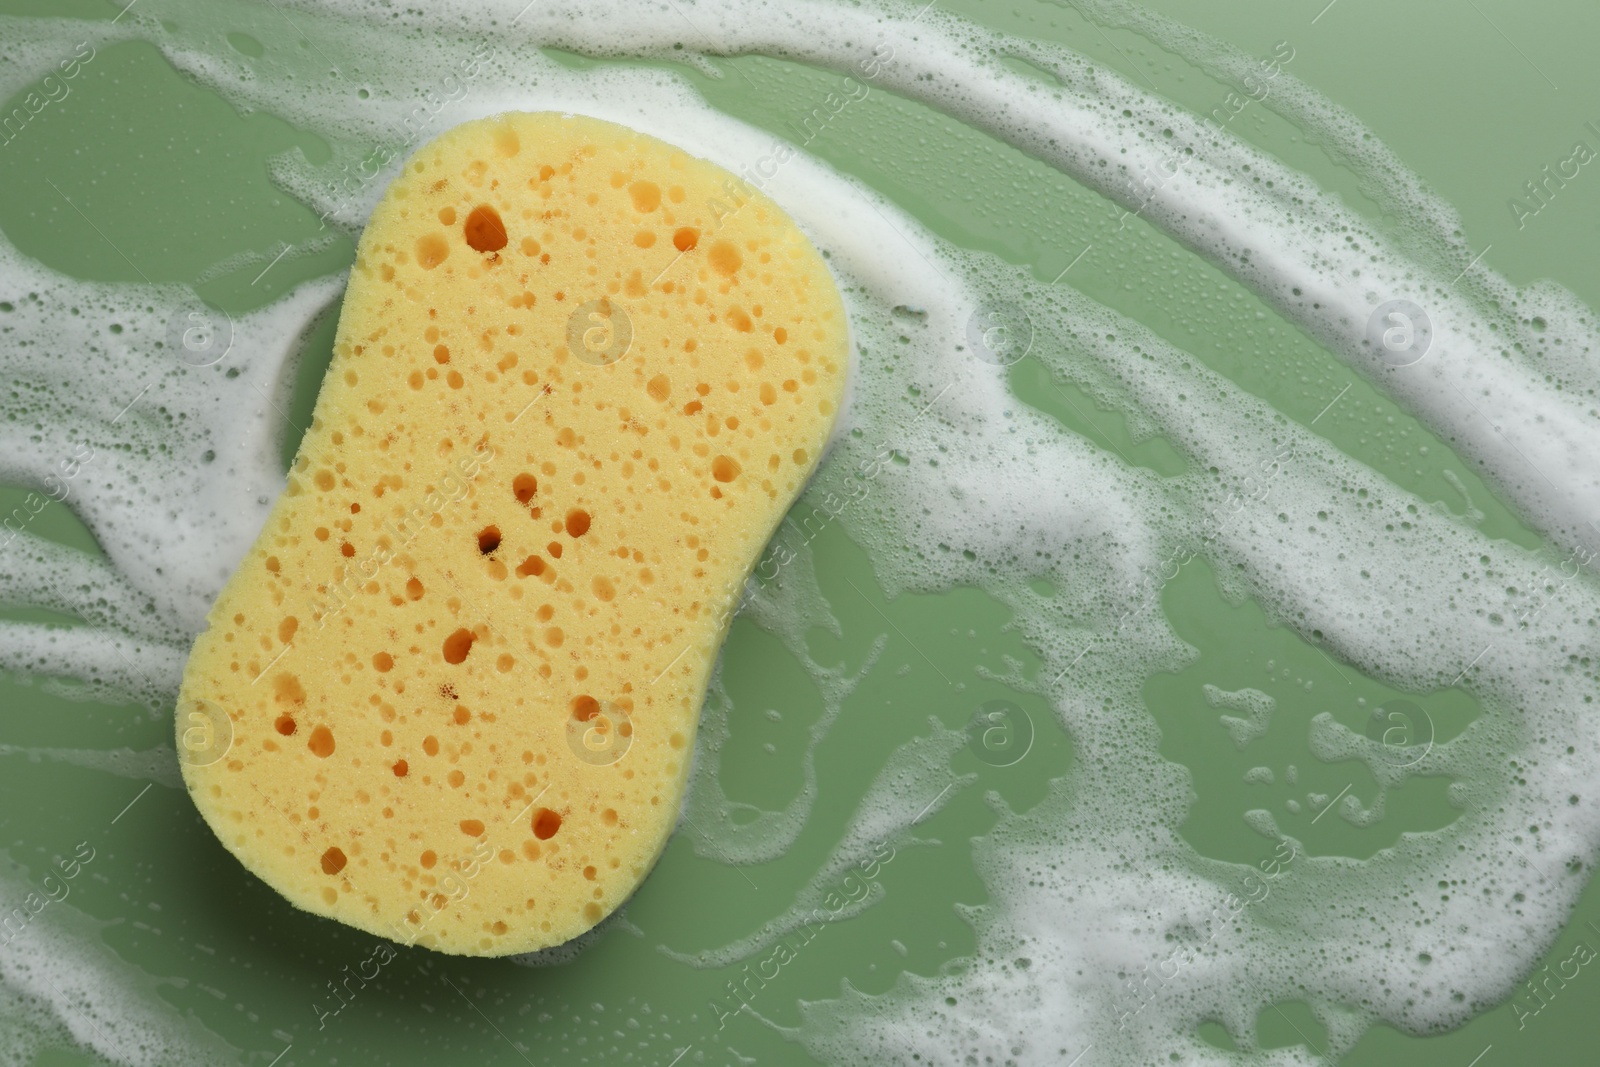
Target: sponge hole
646,196
484,230
321,742
725,258
432,250
457,645
546,823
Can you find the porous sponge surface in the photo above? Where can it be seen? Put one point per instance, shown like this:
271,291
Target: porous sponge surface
579,377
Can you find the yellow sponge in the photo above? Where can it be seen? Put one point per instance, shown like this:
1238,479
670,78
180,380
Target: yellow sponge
450,696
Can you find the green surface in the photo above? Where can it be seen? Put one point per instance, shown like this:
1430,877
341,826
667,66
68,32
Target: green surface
1475,97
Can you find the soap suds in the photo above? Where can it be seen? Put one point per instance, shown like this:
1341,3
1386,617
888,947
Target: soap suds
1133,939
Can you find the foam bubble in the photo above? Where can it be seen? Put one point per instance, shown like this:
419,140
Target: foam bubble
1104,926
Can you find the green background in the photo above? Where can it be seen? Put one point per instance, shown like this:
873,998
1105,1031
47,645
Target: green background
1476,97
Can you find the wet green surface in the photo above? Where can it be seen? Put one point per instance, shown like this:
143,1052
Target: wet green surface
166,181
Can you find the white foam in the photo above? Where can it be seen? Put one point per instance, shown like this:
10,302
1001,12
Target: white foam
59,980
1115,913
159,764
174,465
